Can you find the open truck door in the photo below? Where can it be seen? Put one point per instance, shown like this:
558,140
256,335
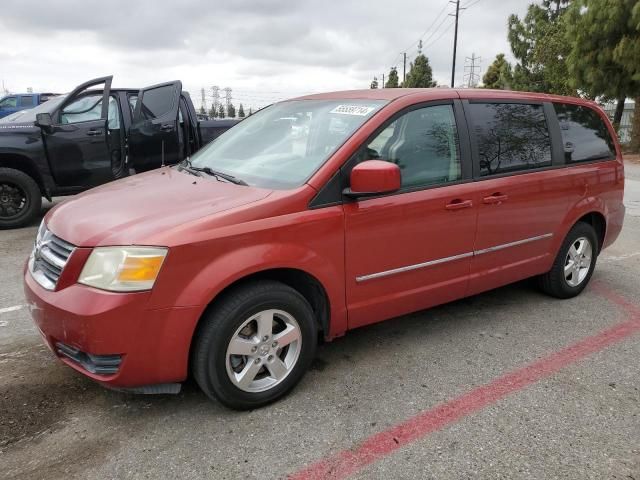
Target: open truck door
76,136
154,136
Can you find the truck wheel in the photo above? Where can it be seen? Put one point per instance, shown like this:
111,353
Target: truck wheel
574,264
255,345
20,198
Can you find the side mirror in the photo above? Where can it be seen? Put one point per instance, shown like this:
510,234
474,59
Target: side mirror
43,120
373,177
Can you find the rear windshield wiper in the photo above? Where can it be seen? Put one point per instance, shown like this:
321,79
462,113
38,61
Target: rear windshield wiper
214,173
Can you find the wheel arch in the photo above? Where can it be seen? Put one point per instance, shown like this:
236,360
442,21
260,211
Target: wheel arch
599,223
25,165
590,210
300,280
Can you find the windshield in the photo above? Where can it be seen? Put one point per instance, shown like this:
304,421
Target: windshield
30,115
282,145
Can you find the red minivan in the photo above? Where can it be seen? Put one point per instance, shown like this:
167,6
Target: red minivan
315,216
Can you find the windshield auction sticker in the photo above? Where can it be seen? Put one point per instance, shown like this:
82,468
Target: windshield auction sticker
359,110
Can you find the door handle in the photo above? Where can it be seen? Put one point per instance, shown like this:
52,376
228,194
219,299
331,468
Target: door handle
94,133
458,204
495,198
166,127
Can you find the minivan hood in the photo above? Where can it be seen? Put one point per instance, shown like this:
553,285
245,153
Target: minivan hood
138,209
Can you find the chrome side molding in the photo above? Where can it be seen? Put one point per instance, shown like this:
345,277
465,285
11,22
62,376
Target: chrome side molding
438,261
512,244
408,268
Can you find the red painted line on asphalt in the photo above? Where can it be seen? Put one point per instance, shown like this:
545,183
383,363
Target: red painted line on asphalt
345,463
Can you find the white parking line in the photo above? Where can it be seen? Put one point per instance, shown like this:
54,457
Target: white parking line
621,257
12,309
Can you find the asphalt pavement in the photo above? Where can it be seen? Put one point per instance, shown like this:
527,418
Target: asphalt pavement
508,384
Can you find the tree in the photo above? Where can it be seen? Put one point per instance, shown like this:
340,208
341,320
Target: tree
420,74
231,111
202,110
604,37
498,75
374,83
221,111
392,82
241,112
538,42
212,112
628,53
250,112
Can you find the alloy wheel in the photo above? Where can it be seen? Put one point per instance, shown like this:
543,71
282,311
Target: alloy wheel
263,350
578,262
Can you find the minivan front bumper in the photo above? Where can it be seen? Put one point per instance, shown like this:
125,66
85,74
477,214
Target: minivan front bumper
113,338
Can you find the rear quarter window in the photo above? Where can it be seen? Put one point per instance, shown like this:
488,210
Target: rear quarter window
585,135
510,137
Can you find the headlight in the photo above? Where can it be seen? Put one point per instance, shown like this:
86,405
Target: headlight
123,269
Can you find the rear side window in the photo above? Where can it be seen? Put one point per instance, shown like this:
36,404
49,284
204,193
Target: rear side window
26,100
584,134
510,137
156,102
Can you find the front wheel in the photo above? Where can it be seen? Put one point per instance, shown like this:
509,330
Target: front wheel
574,264
20,198
255,345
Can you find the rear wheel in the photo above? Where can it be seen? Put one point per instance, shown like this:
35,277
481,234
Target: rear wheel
574,264
20,198
255,345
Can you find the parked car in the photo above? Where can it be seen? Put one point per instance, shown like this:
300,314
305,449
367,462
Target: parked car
232,265
91,136
22,101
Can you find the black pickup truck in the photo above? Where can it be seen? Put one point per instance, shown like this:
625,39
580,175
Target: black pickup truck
91,136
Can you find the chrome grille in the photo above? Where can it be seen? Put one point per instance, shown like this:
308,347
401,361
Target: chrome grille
49,257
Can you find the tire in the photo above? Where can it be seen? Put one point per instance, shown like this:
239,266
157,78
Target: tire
20,198
119,167
560,284
238,316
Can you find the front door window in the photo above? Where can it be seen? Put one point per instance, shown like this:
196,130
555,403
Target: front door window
424,144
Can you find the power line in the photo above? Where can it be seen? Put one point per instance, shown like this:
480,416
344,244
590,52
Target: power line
439,36
469,5
421,37
435,30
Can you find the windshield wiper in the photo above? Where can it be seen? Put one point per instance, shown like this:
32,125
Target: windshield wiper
214,173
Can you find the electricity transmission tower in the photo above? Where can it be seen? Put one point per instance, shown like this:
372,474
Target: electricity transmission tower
215,93
227,96
472,64
203,105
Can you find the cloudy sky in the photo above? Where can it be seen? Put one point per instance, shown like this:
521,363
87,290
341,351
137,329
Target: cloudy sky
265,50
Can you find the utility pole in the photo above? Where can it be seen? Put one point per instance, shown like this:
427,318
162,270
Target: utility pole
404,67
472,77
455,43
383,80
